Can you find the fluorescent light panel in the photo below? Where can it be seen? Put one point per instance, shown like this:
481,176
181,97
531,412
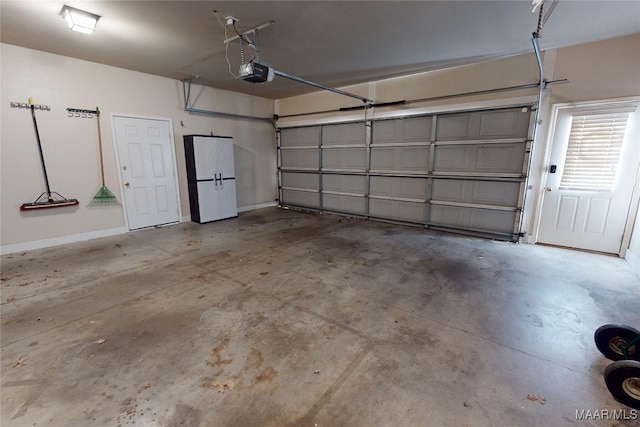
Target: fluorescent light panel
79,20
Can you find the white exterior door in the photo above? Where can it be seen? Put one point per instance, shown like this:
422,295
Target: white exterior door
591,177
147,169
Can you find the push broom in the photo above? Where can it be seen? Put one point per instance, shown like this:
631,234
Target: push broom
104,198
48,199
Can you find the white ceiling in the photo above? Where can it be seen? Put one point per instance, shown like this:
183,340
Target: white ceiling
334,43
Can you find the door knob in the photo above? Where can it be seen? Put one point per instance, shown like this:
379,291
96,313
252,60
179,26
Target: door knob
126,183
548,189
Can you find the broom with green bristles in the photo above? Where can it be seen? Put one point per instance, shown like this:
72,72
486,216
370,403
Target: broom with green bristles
104,198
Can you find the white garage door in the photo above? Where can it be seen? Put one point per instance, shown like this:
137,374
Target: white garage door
456,171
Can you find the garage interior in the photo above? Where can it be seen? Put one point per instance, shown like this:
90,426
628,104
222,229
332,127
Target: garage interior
412,246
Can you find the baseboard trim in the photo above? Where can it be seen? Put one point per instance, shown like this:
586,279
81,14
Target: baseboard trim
633,262
62,240
258,206
80,237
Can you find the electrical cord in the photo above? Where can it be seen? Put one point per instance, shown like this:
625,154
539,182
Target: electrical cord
247,41
242,37
226,47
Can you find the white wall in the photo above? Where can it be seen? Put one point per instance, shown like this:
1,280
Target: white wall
510,71
70,145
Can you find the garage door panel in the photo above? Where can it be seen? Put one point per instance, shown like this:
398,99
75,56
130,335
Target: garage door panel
512,123
479,125
383,158
305,136
448,190
309,181
415,159
454,127
344,158
451,158
501,158
301,198
492,158
480,158
486,219
343,134
341,203
461,170
356,184
398,210
452,216
385,131
498,193
402,187
473,218
416,129
305,158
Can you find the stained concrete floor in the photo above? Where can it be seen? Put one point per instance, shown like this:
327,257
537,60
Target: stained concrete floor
282,318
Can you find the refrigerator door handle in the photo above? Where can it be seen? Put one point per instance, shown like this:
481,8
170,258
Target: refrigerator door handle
221,181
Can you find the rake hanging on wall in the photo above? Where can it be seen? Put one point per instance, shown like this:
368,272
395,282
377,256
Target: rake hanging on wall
104,198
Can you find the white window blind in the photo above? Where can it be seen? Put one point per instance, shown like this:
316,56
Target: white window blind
593,152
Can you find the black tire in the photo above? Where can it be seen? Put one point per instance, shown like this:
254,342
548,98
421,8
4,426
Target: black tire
623,381
609,338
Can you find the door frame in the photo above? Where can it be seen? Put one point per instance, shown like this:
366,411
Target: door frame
546,161
169,121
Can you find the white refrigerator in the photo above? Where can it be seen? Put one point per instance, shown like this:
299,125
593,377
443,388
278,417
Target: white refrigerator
211,176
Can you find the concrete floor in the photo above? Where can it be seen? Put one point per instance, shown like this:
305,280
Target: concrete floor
282,318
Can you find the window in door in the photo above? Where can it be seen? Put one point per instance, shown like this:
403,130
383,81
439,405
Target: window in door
593,151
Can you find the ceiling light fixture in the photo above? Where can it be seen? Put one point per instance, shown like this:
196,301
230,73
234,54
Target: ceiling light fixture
79,20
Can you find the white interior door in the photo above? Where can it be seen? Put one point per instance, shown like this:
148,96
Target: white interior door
591,177
147,169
